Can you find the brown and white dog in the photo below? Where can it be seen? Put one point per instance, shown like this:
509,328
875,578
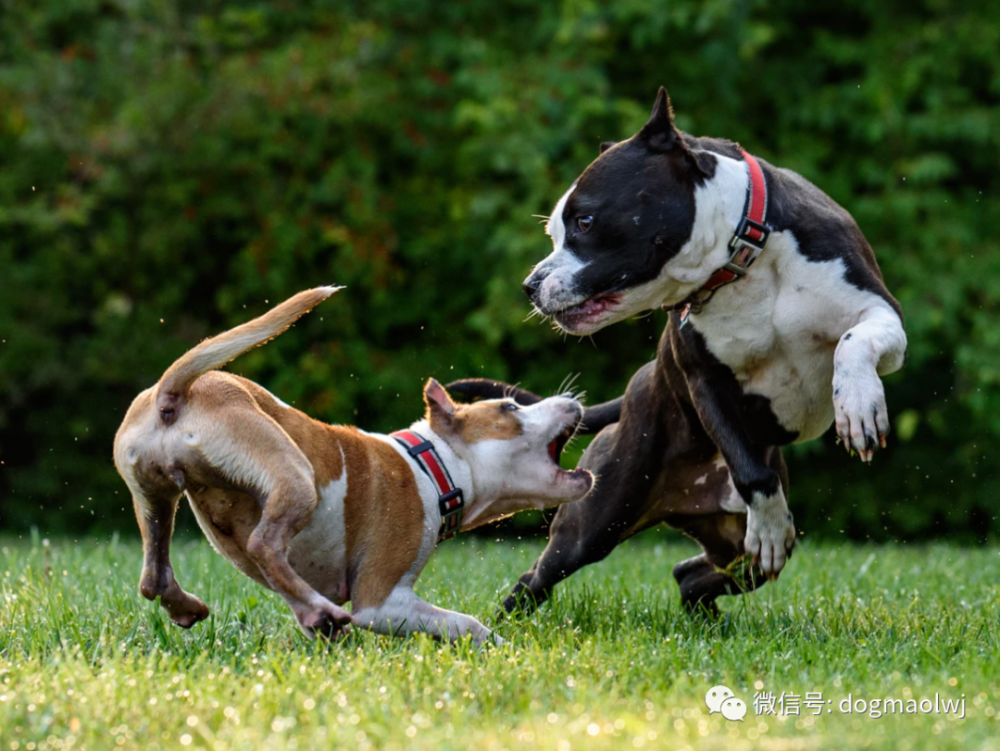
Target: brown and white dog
326,514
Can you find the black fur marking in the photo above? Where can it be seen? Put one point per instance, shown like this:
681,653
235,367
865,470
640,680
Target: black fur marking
742,426
643,209
641,197
762,425
823,229
659,133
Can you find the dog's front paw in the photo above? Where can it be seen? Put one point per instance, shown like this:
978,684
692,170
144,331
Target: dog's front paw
770,533
861,415
489,639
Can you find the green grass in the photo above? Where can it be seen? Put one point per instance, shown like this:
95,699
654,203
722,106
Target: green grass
611,662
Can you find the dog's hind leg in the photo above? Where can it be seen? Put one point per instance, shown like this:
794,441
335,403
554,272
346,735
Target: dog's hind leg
256,455
287,510
156,490
155,513
719,570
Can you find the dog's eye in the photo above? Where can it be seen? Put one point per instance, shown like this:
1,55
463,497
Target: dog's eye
509,407
585,222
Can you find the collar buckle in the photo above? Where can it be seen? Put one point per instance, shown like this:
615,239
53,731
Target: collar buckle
747,243
452,506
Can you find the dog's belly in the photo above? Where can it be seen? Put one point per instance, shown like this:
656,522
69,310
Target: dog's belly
228,517
693,489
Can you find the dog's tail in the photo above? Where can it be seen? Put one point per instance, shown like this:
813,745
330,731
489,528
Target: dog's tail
595,418
215,352
486,388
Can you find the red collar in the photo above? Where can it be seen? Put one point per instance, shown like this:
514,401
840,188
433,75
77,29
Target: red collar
451,502
746,244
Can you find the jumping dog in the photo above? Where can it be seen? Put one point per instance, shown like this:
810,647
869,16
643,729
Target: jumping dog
780,325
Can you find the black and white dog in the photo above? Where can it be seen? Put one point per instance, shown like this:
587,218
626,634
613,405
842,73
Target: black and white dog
796,341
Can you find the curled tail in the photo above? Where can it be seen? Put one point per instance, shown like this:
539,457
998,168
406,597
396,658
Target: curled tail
595,418
215,352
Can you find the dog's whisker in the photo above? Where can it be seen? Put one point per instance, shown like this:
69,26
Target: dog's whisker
510,388
564,384
535,312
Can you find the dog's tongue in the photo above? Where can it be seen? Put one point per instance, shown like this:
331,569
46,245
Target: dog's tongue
554,450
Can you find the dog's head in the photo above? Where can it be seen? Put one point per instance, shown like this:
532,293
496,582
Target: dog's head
622,232
513,451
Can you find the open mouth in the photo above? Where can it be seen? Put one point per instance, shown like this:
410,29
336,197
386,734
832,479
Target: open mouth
557,444
575,315
579,478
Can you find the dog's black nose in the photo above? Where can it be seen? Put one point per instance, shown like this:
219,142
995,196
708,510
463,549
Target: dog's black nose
530,287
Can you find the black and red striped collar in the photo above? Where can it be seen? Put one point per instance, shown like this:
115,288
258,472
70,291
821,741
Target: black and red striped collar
746,244
451,500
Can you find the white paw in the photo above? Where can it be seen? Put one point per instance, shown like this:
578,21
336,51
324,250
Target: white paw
770,533
859,408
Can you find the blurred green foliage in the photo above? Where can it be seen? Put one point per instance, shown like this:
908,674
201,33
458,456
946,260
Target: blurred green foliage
169,168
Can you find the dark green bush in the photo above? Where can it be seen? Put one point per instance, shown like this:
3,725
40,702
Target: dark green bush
170,167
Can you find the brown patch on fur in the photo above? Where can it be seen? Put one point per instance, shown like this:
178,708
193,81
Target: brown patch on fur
383,518
477,422
488,420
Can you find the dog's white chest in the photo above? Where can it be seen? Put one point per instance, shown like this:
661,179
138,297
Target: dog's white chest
778,331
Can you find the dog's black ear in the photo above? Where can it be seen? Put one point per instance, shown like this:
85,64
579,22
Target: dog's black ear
659,133
605,145
440,407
